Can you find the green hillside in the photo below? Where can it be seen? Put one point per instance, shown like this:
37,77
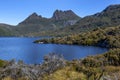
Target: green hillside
7,30
103,37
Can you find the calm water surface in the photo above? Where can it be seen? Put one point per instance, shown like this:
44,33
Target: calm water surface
24,49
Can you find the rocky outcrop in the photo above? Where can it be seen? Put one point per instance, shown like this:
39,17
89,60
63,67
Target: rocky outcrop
34,16
65,15
66,18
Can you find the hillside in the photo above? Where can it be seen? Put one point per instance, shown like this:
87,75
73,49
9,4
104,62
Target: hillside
63,23
110,16
107,37
7,30
37,25
107,18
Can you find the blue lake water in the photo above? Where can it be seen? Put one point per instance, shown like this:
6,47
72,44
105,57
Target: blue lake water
31,53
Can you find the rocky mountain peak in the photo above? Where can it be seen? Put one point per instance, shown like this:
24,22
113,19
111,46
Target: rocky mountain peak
64,15
34,16
32,19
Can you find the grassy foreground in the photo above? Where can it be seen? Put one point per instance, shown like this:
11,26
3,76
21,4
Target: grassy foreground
100,67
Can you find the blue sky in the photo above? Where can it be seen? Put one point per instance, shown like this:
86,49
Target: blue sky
14,11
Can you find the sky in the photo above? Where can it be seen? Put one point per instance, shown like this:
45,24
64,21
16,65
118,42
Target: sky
14,11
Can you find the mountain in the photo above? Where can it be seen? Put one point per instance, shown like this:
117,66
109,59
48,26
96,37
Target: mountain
63,23
36,24
64,15
107,18
33,19
33,24
65,18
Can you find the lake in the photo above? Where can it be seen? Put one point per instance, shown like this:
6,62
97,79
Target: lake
31,53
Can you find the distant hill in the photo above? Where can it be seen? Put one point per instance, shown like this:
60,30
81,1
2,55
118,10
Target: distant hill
63,23
7,30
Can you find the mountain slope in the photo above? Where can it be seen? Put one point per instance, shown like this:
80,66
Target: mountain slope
108,17
7,30
64,18
64,23
35,24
